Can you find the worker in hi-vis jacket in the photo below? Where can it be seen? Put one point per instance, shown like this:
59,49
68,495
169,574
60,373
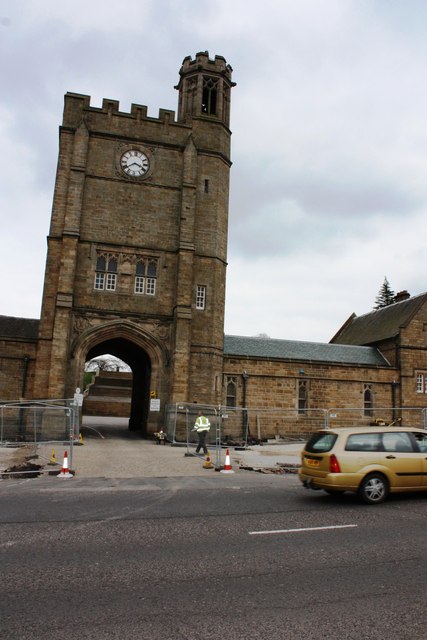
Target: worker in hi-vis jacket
202,426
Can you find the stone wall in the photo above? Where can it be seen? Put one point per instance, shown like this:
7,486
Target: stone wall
413,361
17,365
273,384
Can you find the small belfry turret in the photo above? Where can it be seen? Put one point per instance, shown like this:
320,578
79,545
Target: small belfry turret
204,88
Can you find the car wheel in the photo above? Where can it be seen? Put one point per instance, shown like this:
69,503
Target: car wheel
373,489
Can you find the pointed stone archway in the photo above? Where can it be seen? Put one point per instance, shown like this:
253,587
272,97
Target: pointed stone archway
139,361
143,352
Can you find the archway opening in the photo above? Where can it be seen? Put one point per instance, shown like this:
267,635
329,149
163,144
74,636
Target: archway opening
140,365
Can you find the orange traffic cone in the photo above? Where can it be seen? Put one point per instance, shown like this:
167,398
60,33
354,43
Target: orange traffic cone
65,473
208,464
227,466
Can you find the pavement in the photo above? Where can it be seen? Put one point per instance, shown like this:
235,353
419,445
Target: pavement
109,450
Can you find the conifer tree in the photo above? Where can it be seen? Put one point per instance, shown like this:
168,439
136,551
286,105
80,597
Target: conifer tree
386,295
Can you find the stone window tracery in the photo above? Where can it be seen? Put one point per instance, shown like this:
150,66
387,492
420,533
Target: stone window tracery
210,95
106,272
231,391
302,396
146,276
368,400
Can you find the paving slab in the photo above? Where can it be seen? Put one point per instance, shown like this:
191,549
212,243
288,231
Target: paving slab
111,451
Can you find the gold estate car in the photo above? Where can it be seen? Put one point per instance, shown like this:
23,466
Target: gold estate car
371,462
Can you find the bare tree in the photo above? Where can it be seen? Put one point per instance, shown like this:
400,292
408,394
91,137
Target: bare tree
106,363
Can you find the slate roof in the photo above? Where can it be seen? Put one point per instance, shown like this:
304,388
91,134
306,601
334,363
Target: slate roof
379,325
293,350
19,328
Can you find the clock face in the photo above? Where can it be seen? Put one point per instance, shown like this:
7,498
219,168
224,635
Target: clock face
134,163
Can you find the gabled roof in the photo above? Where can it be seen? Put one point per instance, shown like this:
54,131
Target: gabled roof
19,328
293,350
379,325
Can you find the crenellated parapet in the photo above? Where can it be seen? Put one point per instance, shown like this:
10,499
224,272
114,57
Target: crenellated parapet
203,62
76,104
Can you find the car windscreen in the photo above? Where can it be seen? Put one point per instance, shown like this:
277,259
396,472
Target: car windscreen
321,442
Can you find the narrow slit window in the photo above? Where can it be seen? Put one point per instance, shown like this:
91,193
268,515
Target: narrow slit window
368,401
302,396
231,391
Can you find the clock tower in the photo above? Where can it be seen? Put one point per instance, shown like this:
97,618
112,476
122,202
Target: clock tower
137,247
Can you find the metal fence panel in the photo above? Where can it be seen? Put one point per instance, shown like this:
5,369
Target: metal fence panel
39,422
397,416
35,423
240,426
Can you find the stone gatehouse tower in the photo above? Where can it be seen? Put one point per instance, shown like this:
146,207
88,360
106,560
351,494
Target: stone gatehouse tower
137,247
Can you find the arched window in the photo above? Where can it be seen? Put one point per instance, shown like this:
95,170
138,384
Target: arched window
140,277
101,263
209,99
151,278
231,391
106,272
302,396
192,93
112,264
111,274
146,276
368,400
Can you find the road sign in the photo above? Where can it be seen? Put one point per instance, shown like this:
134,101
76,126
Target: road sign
154,404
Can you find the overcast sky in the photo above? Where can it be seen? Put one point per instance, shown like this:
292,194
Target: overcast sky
329,146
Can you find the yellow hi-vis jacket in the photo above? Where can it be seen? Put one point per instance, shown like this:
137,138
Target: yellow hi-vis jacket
202,424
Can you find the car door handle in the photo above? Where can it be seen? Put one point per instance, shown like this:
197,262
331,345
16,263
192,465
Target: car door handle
390,457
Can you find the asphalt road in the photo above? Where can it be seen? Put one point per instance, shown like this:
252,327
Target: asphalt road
236,557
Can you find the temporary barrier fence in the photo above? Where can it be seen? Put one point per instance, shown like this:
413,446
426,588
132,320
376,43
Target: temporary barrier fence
39,422
240,426
396,416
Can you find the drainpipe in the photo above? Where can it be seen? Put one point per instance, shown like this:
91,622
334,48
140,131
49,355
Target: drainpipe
245,377
21,426
393,400
25,362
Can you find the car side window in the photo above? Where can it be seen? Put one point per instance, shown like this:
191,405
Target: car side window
421,439
398,441
363,442
321,442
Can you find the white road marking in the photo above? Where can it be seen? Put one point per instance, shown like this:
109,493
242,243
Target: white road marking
338,526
